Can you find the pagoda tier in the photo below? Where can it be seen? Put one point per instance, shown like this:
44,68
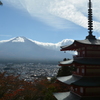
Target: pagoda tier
80,43
85,48
81,61
80,81
85,66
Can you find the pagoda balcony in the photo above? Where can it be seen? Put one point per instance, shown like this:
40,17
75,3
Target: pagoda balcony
79,74
92,74
93,55
77,56
88,56
86,74
85,94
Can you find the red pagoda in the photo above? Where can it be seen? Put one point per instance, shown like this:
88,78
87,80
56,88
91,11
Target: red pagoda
84,83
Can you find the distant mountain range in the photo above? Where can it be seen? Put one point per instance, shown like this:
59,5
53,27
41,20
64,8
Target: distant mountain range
21,49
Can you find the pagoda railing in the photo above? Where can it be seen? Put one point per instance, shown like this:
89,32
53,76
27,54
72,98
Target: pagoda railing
93,56
86,74
85,94
77,56
92,74
80,74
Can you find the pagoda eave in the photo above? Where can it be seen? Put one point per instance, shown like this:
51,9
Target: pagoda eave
68,62
61,96
84,61
68,79
72,96
80,81
70,47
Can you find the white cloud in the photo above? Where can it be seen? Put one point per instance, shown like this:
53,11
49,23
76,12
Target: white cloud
98,37
55,12
5,35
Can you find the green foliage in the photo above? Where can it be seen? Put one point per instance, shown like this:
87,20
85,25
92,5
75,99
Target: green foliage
53,79
65,70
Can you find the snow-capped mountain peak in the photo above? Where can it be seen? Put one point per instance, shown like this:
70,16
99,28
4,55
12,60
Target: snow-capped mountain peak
19,39
15,39
51,46
21,48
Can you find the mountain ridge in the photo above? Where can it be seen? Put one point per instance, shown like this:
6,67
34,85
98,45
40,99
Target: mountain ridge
44,44
23,49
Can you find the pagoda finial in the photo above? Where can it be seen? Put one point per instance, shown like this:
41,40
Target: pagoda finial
90,22
90,4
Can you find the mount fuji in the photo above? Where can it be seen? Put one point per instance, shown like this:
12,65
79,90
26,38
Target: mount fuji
21,49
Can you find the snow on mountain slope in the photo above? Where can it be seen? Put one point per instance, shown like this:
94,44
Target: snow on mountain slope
21,48
18,39
54,46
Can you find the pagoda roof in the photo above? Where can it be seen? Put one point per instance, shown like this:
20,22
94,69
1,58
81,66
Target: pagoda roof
88,81
72,96
69,79
62,95
80,81
87,61
78,43
67,62
90,41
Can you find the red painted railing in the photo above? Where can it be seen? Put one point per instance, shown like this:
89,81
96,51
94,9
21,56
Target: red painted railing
86,94
89,74
88,56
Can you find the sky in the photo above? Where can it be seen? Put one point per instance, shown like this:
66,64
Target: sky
48,20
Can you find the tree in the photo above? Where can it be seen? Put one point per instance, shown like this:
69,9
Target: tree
12,88
65,70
